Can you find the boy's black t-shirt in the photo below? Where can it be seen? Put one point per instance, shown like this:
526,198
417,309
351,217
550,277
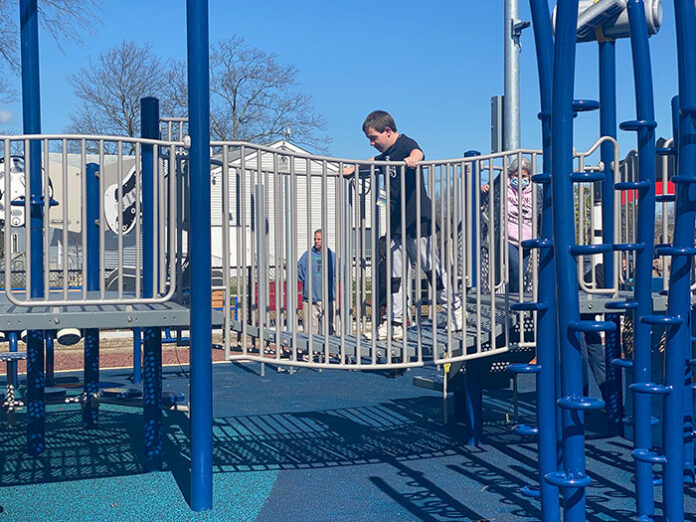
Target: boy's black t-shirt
398,152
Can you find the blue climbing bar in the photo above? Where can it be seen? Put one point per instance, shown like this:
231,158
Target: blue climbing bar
572,479
201,320
547,345
644,126
607,127
678,301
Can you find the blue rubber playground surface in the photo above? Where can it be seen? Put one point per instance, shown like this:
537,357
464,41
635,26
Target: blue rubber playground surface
311,445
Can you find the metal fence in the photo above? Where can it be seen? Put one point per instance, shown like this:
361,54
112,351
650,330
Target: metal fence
276,199
92,198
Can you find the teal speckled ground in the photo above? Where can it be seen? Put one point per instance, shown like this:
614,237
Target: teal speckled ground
155,496
306,446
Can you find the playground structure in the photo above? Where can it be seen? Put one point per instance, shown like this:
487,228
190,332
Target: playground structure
264,231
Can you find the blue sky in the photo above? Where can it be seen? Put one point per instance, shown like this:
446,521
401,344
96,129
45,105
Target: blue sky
435,69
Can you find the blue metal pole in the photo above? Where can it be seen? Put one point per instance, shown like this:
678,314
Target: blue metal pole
678,302
607,127
152,336
547,351
50,336
645,127
201,334
12,339
90,412
473,402
137,355
573,479
31,110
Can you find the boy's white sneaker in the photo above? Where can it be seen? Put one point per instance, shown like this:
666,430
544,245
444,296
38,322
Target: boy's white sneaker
458,319
397,332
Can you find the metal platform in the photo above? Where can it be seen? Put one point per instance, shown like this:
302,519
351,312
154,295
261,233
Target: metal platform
421,339
14,317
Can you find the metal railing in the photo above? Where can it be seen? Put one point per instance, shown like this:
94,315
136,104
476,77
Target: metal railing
273,200
62,218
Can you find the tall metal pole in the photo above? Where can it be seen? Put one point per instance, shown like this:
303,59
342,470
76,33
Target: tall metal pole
511,100
152,336
201,320
31,111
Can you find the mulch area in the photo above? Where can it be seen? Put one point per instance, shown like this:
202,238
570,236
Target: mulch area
113,353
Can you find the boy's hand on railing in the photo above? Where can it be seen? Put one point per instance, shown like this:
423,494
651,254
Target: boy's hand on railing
411,162
485,188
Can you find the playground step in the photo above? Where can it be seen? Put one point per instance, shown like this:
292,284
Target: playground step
580,403
562,480
646,455
636,125
586,177
651,388
629,247
526,430
632,185
588,250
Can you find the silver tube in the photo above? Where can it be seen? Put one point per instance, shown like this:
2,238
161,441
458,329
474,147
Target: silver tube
245,263
419,275
102,223
511,100
85,224
307,311
292,256
8,219
226,249
46,222
138,173
66,242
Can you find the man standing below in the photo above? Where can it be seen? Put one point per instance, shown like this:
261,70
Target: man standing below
380,129
315,314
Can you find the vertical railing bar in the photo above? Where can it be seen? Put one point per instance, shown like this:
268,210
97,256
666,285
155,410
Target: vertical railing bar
246,275
308,326
83,207
342,248
8,218
326,262
65,191
277,249
45,192
102,222
225,172
419,275
139,250
432,245
292,255
119,221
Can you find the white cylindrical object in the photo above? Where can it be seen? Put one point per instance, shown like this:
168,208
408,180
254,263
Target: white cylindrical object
68,336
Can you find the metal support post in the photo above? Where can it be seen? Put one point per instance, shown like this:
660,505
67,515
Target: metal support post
91,335
152,346
31,111
547,344
678,303
644,125
201,335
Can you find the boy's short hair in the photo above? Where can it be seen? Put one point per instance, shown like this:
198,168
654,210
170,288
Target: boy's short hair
379,120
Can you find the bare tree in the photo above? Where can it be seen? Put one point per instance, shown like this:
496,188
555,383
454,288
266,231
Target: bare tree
62,19
252,97
111,87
